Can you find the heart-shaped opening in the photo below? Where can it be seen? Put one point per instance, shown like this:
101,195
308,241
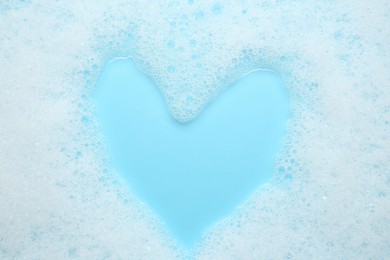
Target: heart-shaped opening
191,174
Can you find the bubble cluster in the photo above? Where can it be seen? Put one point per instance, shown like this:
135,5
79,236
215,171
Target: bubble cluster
59,196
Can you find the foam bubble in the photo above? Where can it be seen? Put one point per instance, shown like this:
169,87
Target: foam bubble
59,197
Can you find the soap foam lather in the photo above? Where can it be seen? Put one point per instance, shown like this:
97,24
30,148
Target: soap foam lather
59,196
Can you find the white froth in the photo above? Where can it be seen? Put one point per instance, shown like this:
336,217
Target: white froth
59,198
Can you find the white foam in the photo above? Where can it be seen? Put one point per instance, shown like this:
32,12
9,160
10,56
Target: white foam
60,199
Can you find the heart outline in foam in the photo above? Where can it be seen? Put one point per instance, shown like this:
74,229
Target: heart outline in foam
196,173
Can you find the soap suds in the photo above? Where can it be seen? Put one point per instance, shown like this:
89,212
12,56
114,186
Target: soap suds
59,198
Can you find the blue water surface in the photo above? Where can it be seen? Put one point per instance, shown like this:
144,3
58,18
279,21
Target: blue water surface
191,174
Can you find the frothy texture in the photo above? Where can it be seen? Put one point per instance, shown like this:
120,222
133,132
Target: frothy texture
60,198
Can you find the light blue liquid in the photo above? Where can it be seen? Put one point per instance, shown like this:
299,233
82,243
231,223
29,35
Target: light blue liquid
196,173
